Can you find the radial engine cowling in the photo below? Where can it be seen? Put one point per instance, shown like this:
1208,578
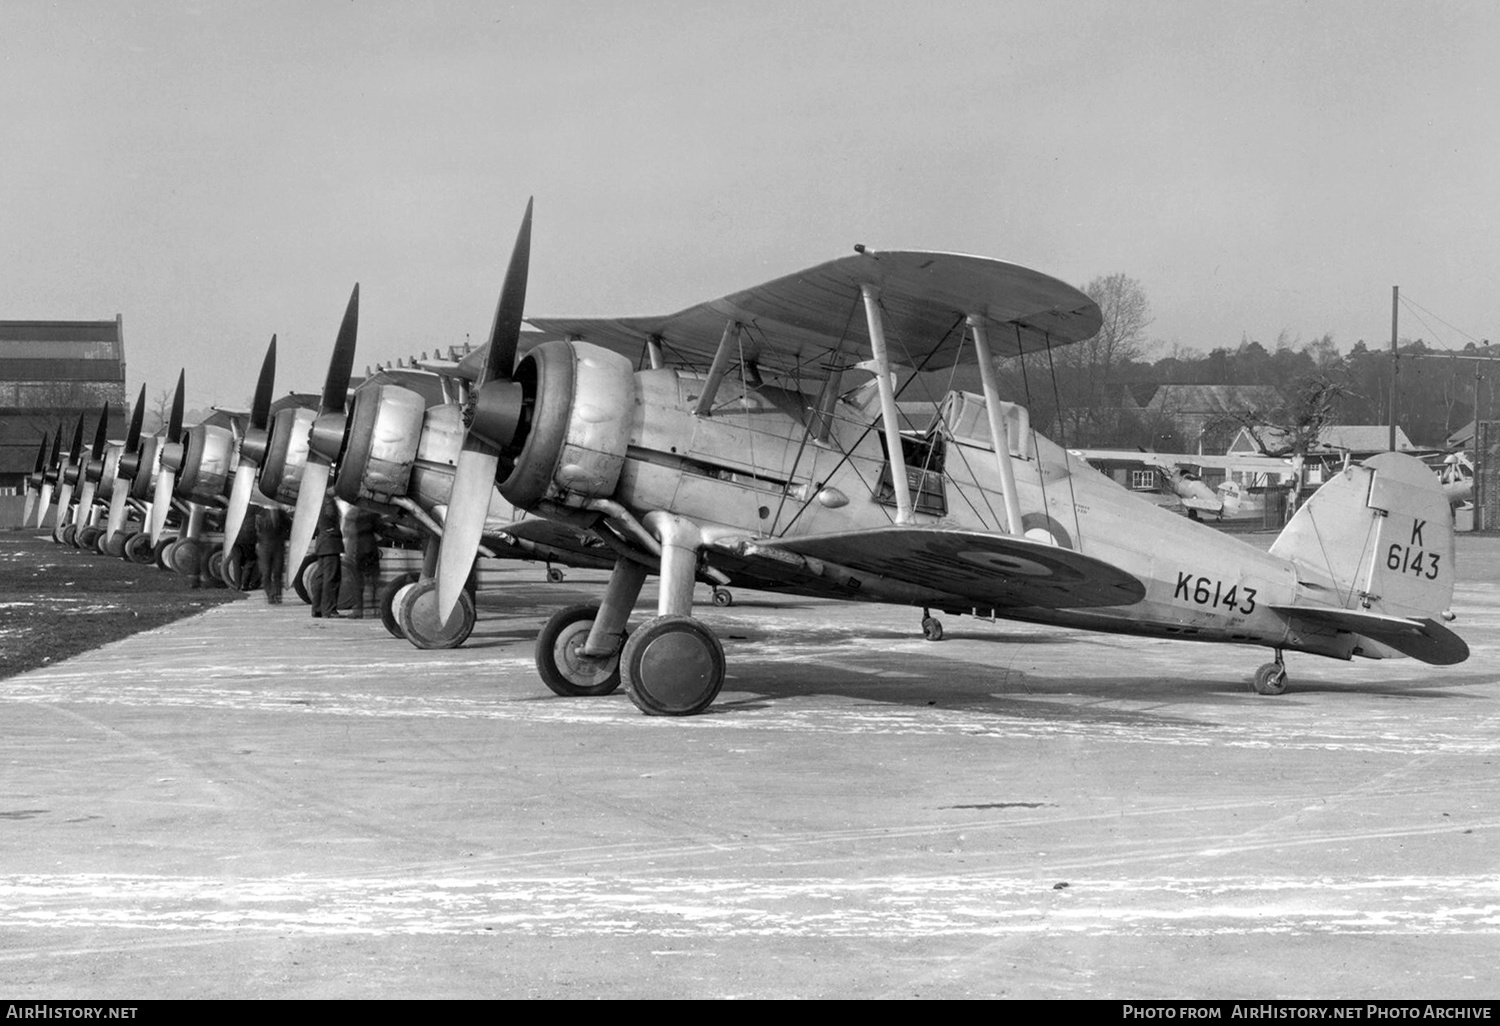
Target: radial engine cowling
385,424
286,454
142,467
207,463
562,423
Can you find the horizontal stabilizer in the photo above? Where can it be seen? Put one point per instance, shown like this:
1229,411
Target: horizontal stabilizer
1422,639
986,569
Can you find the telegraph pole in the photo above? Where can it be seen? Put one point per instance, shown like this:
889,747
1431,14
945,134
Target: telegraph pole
1395,362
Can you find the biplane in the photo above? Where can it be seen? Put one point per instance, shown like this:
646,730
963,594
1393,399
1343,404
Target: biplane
792,489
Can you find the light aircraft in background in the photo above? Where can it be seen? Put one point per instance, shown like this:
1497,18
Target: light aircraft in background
793,489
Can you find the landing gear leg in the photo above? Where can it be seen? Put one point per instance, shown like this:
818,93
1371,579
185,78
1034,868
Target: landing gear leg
578,651
1270,679
673,665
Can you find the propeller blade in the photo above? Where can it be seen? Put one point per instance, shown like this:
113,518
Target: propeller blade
85,500
174,424
44,504
310,495
64,496
41,457
57,446
161,503
260,406
336,385
239,502
31,488
468,504
505,332
77,448
117,502
133,438
101,435
29,506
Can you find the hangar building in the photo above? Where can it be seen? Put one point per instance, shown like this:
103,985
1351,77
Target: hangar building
50,373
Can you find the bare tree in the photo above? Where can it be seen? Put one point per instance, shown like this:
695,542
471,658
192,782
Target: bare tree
1088,374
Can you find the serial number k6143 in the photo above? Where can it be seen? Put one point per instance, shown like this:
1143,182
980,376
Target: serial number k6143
1205,591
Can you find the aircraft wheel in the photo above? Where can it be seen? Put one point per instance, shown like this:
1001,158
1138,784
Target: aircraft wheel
723,597
387,601
932,628
554,575
184,557
138,549
238,573
417,614
87,538
1270,679
214,570
672,666
302,579
560,659
159,553
114,544
70,535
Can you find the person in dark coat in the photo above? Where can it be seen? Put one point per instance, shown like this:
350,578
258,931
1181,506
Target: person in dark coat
271,527
327,549
361,564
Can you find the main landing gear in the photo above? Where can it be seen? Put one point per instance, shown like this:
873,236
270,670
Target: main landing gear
1270,679
672,665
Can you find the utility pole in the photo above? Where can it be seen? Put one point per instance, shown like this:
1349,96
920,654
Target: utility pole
1395,362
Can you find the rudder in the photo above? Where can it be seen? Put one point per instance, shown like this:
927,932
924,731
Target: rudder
1377,538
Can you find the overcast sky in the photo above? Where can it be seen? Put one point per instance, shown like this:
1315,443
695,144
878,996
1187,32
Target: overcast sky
221,171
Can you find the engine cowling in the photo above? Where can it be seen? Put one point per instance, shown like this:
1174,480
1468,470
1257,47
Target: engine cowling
380,445
562,423
207,463
286,454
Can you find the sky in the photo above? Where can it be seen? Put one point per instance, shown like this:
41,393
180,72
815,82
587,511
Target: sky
219,172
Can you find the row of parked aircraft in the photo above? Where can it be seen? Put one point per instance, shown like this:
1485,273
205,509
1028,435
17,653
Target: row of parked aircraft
756,441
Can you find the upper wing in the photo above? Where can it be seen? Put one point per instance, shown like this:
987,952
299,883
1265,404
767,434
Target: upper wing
795,322
987,569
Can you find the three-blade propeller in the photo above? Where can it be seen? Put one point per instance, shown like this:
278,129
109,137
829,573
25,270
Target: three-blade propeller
479,460
50,476
171,462
67,478
327,436
120,494
36,480
252,449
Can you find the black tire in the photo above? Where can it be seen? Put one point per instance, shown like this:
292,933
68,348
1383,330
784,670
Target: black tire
673,666
562,668
1270,679
139,550
302,579
723,597
159,554
387,601
88,538
70,535
416,615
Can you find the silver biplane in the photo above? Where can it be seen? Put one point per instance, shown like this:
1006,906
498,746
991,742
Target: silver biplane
795,489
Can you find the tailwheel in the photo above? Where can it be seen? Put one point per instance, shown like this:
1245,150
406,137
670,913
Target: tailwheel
554,575
932,627
673,666
416,612
723,597
562,663
1270,679
387,601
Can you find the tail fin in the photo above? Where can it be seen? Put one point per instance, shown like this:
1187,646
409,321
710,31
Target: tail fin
1375,546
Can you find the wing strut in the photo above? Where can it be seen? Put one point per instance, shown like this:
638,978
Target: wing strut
888,404
727,346
997,424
